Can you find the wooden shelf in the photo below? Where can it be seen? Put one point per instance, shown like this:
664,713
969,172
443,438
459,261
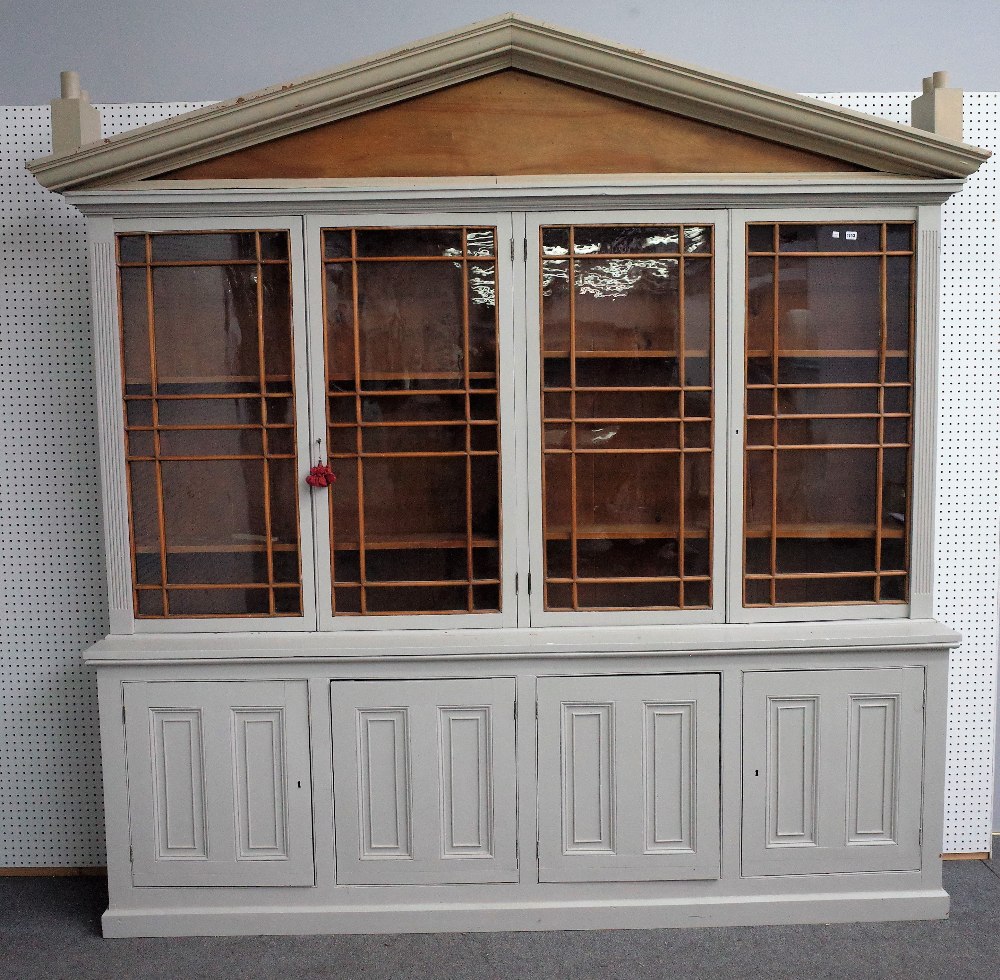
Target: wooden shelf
831,532
627,354
562,532
831,353
213,549
413,541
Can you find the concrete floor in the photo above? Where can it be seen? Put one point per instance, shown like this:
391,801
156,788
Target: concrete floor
50,930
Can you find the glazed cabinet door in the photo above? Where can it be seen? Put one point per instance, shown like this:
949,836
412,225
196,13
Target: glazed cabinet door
219,783
424,781
628,776
627,406
413,332
832,763
212,392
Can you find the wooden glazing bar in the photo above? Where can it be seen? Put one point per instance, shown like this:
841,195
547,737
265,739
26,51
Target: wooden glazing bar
413,392
574,556
223,549
377,259
775,299
808,416
628,580
357,418
711,411
154,388
804,447
213,586
265,475
424,583
682,373
795,576
418,543
411,424
586,420
600,389
911,335
652,451
829,255
205,458
196,263
124,384
468,429
610,355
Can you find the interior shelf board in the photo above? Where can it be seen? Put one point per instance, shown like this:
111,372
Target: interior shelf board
823,531
627,354
598,532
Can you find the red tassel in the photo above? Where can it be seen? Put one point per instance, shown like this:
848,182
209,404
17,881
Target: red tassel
321,476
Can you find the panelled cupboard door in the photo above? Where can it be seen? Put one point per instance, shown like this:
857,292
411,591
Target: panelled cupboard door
218,782
628,777
832,765
424,781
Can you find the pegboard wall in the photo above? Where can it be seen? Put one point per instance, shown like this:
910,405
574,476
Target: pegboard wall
968,491
51,569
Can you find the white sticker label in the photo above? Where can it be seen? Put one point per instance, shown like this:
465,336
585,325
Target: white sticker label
851,236
836,234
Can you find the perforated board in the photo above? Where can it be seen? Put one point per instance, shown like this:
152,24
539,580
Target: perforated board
968,491
51,571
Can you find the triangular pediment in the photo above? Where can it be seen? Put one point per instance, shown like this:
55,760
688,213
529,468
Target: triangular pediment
574,104
508,124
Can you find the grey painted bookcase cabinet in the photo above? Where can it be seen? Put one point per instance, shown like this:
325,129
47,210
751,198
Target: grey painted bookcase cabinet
518,463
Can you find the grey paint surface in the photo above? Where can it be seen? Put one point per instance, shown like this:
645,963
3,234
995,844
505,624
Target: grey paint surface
193,50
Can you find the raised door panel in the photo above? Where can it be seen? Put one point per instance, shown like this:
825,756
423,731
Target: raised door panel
831,770
424,781
628,778
219,788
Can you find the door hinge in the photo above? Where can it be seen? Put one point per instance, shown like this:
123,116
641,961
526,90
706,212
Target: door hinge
512,250
529,583
123,714
526,251
130,854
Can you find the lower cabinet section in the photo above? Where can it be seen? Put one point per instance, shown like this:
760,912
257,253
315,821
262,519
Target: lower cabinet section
832,765
519,796
425,781
219,787
628,777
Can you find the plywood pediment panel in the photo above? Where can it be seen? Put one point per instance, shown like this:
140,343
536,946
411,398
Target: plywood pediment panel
507,124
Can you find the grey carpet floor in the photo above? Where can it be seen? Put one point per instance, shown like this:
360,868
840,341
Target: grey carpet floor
50,928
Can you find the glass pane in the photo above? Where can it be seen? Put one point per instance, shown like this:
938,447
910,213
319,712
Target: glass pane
229,516
829,304
131,248
135,329
480,241
613,486
844,327
616,240
760,238
206,324
627,305
411,320
409,242
205,247
830,238
419,424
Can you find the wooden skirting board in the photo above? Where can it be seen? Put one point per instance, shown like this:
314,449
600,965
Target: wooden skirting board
973,856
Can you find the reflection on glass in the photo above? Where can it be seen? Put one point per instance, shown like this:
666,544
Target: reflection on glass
827,428
209,416
413,434
627,317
